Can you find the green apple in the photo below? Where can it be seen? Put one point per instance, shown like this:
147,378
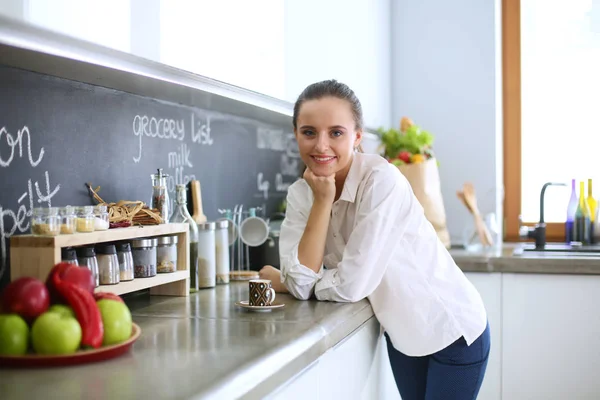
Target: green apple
55,333
14,335
62,309
116,319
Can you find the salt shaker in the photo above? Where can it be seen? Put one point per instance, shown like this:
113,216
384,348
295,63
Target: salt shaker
86,256
125,261
206,255
108,264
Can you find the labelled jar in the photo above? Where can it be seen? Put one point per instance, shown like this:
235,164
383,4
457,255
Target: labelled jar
86,256
68,220
125,261
68,255
108,264
206,255
144,257
101,222
85,219
166,254
45,221
222,251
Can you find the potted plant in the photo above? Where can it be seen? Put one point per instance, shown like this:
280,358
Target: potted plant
411,150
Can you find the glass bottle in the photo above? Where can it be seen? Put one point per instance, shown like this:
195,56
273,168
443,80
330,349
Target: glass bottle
160,195
571,209
592,205
582,218
182,215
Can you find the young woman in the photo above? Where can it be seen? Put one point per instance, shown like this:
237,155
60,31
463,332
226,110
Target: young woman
354,229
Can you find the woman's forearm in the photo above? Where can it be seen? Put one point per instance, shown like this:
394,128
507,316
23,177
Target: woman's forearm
312,245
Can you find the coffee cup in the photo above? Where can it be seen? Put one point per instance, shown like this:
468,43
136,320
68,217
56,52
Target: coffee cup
261,293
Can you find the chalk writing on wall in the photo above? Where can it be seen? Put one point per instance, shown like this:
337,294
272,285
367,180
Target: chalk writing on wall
14,146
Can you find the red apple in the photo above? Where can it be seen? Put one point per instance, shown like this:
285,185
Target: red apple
27,297
107,295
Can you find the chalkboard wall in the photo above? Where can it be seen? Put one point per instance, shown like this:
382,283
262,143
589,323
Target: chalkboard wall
57,134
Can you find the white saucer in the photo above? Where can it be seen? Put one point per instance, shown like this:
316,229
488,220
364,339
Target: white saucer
245,304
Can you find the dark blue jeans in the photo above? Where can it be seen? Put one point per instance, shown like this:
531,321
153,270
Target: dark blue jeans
453,373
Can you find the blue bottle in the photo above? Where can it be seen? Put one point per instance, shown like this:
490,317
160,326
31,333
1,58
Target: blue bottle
571,210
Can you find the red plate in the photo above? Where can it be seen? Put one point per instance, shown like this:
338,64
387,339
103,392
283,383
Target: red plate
81,357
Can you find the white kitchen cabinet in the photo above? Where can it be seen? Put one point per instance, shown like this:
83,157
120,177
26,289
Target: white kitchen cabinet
551,337
350,370
489,286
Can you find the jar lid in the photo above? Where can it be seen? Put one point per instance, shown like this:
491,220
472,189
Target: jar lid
143,242
67,210
123,247
222,224
68,253
167,240
86,252
86,210
100,208
207,226
105,248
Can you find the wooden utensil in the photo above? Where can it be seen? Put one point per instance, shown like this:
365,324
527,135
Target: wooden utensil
197,213
469,199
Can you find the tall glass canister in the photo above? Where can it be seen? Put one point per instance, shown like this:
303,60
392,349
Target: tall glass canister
222,251
182,215
207,268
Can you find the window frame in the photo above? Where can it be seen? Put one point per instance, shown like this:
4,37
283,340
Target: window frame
511,104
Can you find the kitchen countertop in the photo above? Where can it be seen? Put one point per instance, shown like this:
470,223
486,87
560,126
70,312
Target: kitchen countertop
504,260
199,347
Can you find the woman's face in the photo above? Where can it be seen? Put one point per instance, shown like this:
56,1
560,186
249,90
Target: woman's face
326,135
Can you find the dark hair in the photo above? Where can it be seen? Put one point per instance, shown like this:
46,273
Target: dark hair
330,88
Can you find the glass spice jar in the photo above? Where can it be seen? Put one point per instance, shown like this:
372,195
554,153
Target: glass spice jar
69,255
160,195
45,221
85,219
86,256
166,254
68,220
108,264
125,261
101,222
144,257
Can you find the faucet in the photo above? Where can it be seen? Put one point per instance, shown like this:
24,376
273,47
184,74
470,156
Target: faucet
538,232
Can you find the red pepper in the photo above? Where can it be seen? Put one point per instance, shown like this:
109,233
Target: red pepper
86,310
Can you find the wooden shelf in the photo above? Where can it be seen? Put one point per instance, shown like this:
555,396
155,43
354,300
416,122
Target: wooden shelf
36,255
110,235
144,283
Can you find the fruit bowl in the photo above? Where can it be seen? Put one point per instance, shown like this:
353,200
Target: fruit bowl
80,357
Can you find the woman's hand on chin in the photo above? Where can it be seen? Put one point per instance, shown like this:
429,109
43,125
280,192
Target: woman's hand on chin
323,187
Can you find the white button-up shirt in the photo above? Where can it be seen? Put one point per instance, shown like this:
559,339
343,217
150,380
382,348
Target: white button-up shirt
380,246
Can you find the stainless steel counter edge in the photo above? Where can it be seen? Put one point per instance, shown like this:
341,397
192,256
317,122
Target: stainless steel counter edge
286,361
504,260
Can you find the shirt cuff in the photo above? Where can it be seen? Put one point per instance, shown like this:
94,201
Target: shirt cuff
299,279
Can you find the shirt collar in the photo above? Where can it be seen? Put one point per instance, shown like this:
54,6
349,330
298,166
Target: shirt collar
352,180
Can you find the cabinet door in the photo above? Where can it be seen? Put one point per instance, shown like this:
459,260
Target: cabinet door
489,286
551,337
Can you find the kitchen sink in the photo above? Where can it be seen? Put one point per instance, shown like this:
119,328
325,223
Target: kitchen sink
562,249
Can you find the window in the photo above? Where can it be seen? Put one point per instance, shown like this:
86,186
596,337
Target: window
551,59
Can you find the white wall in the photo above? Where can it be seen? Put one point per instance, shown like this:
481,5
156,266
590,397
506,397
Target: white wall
344,40
446,77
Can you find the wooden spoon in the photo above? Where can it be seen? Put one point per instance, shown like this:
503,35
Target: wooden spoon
469,199
197,214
